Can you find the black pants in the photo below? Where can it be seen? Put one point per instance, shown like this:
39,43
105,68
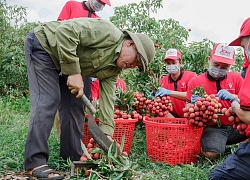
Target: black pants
45,96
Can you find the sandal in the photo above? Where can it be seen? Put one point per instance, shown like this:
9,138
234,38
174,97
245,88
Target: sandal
42,173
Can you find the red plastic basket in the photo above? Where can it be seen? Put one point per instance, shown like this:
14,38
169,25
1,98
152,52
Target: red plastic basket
122,128
172,140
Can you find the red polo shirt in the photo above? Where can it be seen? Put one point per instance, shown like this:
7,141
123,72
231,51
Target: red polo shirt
180,85
232,83
95,87
74,9
244,94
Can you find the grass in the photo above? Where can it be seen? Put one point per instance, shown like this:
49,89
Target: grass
14,119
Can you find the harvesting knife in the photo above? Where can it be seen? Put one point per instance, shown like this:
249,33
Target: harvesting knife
100,138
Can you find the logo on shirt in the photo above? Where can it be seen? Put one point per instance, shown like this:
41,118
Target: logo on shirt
183,85
230,85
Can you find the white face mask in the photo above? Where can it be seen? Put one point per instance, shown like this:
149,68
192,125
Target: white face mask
96,6
216,72
172,69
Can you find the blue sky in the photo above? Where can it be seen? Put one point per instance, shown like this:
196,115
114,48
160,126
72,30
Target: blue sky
217,20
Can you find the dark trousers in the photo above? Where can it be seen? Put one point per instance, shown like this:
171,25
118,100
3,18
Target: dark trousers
235,166
71,113
45,96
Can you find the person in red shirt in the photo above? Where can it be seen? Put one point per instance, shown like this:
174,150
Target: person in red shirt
71,109
74,9
236,165
95,87
175,83
217,80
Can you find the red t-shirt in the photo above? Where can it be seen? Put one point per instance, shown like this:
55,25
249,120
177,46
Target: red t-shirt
95,87
120,84
180,85
232,83
244,94
74,9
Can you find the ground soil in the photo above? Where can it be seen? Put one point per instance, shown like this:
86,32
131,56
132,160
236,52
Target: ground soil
23,176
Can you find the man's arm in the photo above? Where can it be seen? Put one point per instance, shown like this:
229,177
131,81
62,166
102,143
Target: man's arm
179,95
107,92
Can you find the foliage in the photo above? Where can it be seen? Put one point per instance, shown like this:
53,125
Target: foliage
124,100
13,29
166,33
239,60
111,165
195,56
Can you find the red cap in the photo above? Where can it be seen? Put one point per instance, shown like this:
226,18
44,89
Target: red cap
173,54
223,53
106,2
244,31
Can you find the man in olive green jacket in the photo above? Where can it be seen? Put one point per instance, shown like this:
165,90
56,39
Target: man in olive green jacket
75,48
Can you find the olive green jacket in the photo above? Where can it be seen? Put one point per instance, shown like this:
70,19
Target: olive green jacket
90,47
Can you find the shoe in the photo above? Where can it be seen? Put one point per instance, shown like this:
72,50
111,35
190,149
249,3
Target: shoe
43,172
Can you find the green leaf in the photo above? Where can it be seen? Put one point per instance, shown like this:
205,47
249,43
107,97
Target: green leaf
218,122
93,176
85,151
96,150
122,144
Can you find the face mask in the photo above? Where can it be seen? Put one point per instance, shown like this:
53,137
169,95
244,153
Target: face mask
93,79
247,51
216,72
172,69
96,6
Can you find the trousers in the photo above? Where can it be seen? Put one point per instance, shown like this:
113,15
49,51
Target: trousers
46,95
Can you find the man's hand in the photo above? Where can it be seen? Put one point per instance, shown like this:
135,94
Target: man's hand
162,91
224,95
75,84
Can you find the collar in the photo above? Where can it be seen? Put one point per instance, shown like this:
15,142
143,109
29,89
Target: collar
170,79
212,79
86,7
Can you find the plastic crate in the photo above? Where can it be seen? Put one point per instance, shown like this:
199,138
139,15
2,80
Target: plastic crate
172,140
122,128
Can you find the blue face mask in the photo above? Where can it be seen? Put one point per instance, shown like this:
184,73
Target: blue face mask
217,72
96,6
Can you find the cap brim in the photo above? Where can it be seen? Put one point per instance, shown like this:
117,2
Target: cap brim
236,42
223,60
171,58
106,2
139,48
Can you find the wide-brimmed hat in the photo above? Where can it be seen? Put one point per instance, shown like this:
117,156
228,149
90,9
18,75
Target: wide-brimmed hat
223,53
144,46
173,54
106,2
244,31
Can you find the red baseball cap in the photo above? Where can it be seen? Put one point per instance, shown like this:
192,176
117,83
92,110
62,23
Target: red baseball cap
244,31
223,53
106,2
173,54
